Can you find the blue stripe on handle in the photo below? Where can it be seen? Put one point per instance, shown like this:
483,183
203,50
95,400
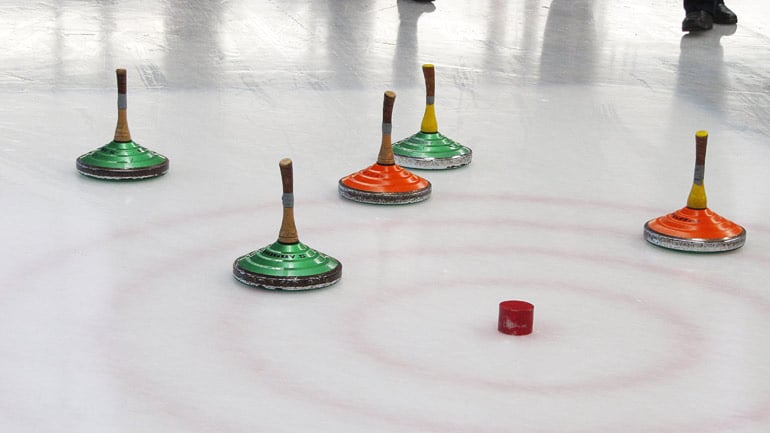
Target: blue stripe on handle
700,171
288,200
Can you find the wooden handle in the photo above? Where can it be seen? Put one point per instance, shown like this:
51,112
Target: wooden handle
387,106
288,232
287,175
122,133
430,79
701,139
121,73
385,156
697,198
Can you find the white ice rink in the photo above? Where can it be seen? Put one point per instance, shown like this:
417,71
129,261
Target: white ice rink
118,309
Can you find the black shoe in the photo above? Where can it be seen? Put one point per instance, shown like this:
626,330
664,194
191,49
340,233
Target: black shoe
697,21
723,14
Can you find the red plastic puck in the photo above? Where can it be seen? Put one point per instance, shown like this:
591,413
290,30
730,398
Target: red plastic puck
516,317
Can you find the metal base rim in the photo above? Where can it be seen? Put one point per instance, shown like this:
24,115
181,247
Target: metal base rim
434,163
407,197
289,284
122,174
694,245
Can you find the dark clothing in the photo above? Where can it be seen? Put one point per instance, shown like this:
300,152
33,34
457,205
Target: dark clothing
701,5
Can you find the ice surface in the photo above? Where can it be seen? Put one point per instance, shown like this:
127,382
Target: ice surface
118,310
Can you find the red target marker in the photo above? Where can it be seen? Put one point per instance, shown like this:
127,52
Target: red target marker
516,317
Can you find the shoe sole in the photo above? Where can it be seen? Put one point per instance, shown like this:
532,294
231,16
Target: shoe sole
726,22
696,29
